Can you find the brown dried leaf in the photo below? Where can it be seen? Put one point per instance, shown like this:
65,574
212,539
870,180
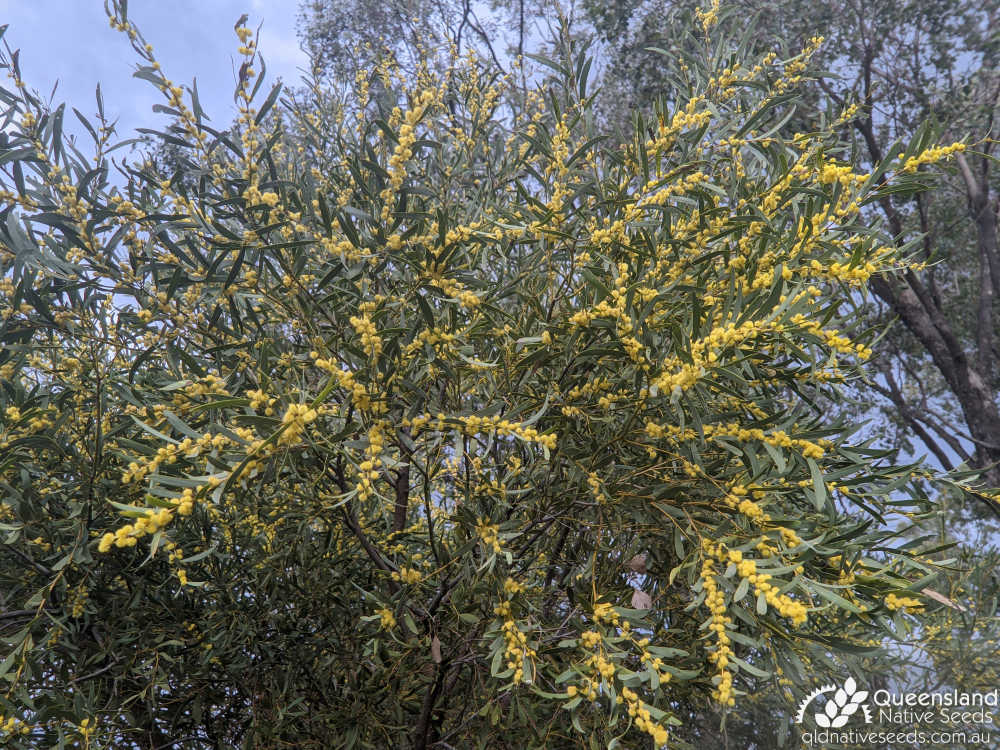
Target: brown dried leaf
436,650
641,600
638,563
938,597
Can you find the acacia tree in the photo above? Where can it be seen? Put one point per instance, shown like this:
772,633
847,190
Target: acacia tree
408,426
909,65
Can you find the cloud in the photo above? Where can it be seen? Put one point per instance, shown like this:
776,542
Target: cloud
71,41
283,55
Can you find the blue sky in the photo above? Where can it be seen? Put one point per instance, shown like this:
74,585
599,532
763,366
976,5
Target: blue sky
71,41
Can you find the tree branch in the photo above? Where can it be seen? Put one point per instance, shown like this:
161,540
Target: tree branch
430,698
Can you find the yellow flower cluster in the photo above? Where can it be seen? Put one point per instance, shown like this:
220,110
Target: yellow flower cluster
407,575
489,533
790,538
708,18
370,340
683,119
360,396
185,504
368,469
517,650
596,488
677,382
260,401
13,725
843,174
387,620
643,720
254,197
513,587
591,388
726,336
609,233
503,427
776,438
737,499
856,276
16,427
604,612
894,602
456,290
86,728
613,307
747,568
786,606
556,165
208,385
342,247
794,69
588,689
679,187
168,454
403,151
129,534
715,601
603,667
296,417
930,156
831,337
440,340
653,663
77,600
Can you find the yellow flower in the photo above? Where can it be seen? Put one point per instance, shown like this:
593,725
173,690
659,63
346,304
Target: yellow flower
388,619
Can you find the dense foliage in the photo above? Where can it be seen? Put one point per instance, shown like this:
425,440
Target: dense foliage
908,65
411,421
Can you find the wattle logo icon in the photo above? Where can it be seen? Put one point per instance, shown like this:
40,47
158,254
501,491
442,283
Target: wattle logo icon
844,703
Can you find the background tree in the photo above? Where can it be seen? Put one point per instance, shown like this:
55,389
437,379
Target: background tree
345,39
348,38
375,424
